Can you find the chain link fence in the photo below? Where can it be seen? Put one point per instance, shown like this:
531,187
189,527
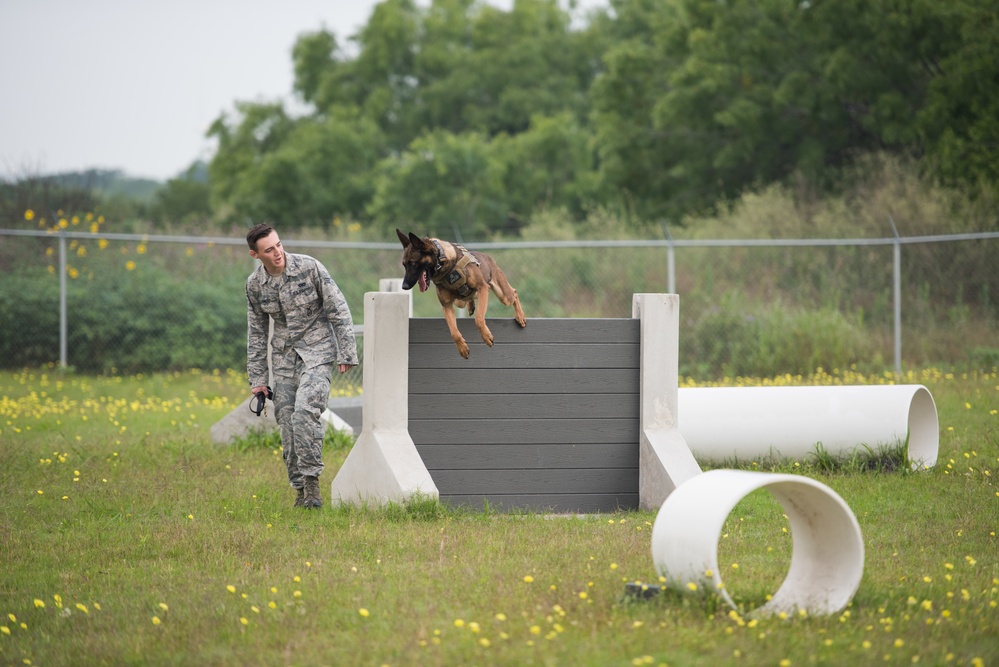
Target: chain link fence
125,303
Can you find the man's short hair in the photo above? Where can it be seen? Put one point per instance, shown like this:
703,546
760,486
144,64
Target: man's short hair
256,233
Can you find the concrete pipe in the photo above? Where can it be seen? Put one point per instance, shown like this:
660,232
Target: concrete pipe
748,422
827,558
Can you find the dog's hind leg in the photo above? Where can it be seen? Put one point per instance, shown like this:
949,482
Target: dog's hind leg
508,295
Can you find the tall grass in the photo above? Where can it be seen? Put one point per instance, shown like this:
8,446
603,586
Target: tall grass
127,538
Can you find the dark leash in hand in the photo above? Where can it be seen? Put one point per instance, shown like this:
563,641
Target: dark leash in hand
259,401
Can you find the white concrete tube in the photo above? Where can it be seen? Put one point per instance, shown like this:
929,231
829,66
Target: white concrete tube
747,422
827,558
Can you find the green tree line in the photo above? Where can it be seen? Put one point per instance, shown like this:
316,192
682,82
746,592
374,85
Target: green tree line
460,115
464,119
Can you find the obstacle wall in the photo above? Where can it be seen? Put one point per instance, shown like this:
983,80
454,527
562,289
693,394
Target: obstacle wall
545,419
548,418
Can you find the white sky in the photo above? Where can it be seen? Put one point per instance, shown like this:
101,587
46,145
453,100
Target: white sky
135,84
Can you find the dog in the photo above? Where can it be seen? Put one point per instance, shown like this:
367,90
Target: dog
463,278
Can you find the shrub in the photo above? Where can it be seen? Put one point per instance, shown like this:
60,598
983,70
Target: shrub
738,339
145,320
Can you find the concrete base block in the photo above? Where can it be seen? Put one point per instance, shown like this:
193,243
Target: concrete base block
382,467
665,462
349,410
240,423
341,414
384,464
333,422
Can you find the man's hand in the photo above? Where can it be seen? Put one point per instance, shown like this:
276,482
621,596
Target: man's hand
343,368
259,401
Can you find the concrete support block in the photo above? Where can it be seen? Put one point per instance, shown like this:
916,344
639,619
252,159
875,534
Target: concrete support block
241,423
384,466
665,461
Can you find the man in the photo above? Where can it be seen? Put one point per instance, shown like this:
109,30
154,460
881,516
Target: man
313,331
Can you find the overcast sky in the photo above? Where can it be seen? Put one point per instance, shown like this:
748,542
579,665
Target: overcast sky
134,85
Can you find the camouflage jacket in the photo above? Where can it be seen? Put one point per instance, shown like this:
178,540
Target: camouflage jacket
310,316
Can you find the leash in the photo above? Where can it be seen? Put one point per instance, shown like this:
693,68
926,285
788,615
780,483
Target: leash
258,404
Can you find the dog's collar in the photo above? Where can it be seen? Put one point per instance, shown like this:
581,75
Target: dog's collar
441,257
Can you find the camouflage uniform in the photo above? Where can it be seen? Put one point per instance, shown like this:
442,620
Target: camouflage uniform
313,332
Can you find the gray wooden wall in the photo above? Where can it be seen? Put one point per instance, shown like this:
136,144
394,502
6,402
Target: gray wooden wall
546,419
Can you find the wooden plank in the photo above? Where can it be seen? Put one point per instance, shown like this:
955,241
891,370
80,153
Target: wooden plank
528,355
545,330
523,431
526,406
566,480
565,503
546,420
525,380
537,457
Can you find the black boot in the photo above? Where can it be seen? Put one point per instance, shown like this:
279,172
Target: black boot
313,500
300,498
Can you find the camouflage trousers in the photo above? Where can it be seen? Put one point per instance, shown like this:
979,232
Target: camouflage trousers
300,396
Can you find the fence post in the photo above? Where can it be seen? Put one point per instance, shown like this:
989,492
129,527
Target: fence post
897,290
670,261
63,327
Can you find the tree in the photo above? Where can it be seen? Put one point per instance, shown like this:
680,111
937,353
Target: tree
301,172
490,71
704,99
185,198
450,79
48,198
444,184
457,65
960,122
551,165
243,142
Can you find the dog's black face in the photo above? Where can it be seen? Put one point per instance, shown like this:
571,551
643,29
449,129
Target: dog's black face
418,260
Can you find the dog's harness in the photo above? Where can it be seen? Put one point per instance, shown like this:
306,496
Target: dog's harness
456,279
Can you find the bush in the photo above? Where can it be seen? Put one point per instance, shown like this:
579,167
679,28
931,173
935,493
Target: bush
145,320
741,339
30,303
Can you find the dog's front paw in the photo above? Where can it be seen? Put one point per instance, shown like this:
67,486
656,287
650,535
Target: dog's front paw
487,337
462,348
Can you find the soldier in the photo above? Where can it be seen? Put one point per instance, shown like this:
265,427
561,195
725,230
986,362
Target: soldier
313,331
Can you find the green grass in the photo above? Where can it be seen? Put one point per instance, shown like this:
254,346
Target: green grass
120,517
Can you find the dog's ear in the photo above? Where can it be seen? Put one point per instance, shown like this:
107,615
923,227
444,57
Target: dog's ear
422,244
402,237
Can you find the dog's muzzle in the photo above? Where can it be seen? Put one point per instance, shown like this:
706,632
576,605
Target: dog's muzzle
421,281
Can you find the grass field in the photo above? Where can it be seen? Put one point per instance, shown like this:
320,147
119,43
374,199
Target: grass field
127,538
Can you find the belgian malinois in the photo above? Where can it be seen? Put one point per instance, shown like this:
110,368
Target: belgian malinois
463,278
